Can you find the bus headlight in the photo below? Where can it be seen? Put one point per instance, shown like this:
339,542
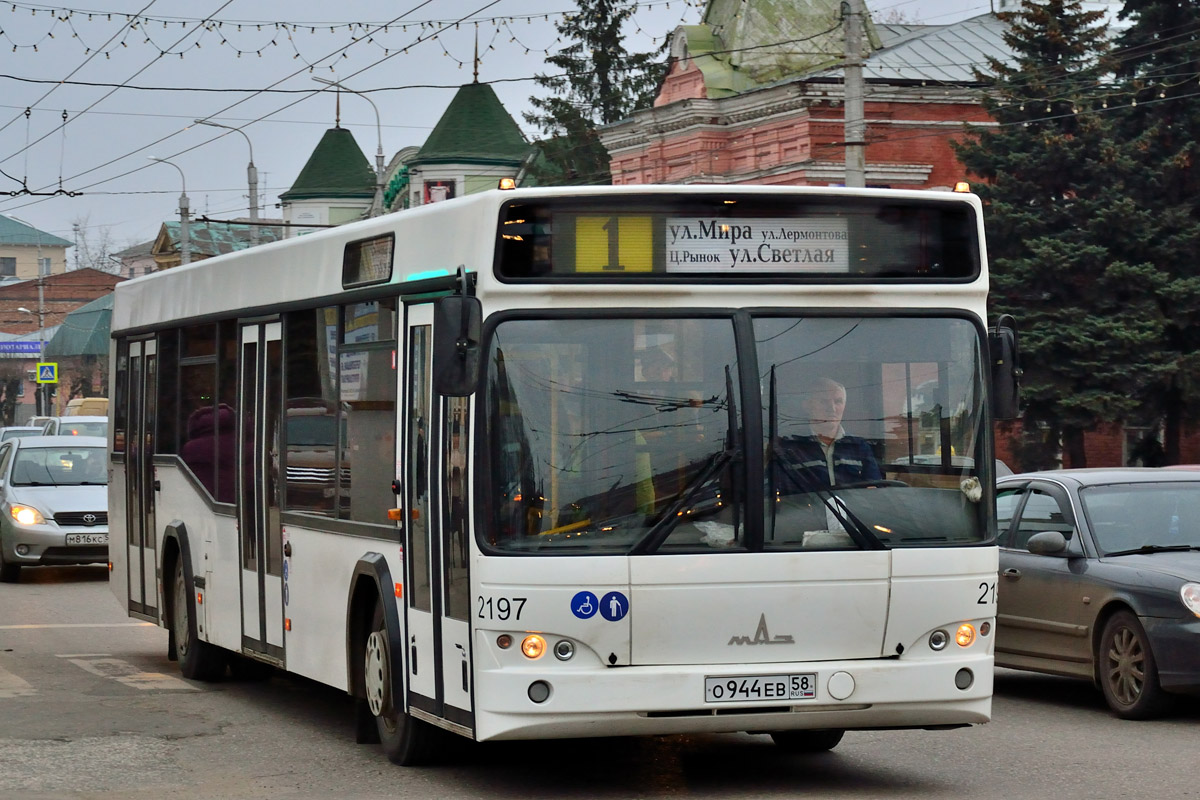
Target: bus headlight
938,640
26,515
965,635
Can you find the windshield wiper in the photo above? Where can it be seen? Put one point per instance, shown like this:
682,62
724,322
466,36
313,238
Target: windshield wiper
733,451
1156,548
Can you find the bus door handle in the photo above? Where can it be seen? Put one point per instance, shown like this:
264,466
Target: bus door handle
157,485
396,487
1013,573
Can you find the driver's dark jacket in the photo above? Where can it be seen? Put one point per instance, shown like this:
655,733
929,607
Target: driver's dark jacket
799,464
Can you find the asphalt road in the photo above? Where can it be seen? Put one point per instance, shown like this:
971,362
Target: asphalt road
91,708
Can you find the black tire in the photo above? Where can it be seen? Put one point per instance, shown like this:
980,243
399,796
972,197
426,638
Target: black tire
818,741
1127,671
9,572
406,741
198,660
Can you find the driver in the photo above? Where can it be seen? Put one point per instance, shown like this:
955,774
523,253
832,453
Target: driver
827,456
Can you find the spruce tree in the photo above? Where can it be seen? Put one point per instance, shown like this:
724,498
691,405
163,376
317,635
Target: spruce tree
600,83
1159,60
1057,215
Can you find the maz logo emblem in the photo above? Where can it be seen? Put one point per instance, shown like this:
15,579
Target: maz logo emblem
763,636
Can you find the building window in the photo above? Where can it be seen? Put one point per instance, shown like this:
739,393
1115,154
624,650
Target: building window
43,266
8,266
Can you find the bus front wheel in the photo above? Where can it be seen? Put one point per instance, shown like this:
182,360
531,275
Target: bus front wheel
406,741
808,741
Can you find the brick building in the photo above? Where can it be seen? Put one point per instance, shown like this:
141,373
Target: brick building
739,106
47,300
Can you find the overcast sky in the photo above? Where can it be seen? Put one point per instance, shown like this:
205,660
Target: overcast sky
146,84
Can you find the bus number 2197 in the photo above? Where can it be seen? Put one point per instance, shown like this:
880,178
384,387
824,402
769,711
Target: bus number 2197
501,608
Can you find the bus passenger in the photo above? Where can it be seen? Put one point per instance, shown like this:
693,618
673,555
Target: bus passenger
827,456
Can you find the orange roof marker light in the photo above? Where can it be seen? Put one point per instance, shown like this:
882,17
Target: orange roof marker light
508,183
962,186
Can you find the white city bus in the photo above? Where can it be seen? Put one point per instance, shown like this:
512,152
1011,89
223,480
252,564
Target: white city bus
538,463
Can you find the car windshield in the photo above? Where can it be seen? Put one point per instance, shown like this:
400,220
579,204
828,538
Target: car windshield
69,428
59,466
1131,516
629,435
17,434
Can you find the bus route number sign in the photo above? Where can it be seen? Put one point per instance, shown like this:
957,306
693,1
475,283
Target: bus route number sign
744,688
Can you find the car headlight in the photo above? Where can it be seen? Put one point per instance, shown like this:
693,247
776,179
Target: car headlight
28,515
1191,597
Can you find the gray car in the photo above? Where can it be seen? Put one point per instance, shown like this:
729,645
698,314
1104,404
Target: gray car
1100,579
53,502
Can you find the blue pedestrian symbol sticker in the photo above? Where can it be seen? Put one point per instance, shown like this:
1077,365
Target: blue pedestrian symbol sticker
614,606
584,605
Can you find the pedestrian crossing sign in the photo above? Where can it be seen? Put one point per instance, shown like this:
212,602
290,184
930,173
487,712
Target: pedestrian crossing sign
47,372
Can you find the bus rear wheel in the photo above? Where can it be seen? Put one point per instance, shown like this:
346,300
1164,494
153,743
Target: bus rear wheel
406,741
198,660
817,741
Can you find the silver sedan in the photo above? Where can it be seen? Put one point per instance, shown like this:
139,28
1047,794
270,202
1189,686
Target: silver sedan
53,502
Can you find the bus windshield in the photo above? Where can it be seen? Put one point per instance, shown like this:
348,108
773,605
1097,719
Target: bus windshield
636,434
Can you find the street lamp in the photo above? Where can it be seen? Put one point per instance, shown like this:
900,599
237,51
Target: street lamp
39,392
377,205
185,245
251,177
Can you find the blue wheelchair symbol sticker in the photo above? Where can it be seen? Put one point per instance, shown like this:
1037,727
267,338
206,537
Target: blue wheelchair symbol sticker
614,606
584,605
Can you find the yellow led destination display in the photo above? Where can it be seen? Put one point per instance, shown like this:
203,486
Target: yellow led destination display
624,244
812,244
733,237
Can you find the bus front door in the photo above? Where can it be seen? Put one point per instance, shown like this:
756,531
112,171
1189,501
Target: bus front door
437,652
140,534
260,393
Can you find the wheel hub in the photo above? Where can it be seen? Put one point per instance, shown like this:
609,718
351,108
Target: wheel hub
377,675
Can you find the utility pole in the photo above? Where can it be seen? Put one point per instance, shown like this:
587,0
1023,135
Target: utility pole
855,125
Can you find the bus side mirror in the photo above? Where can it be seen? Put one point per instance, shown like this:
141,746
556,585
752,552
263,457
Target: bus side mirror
457,321
1005,358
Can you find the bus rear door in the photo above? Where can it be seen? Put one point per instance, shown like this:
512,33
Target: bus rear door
260,392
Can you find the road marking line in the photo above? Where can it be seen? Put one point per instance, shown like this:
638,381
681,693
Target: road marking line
128,674
79,625
14,686
82,655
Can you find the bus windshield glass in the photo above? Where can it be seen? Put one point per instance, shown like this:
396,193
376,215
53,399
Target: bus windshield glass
630,434
740,237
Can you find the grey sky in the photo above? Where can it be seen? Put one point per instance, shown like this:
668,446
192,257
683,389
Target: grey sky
103,149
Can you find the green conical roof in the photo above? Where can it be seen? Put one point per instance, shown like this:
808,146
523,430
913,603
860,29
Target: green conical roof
336,168
475,128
